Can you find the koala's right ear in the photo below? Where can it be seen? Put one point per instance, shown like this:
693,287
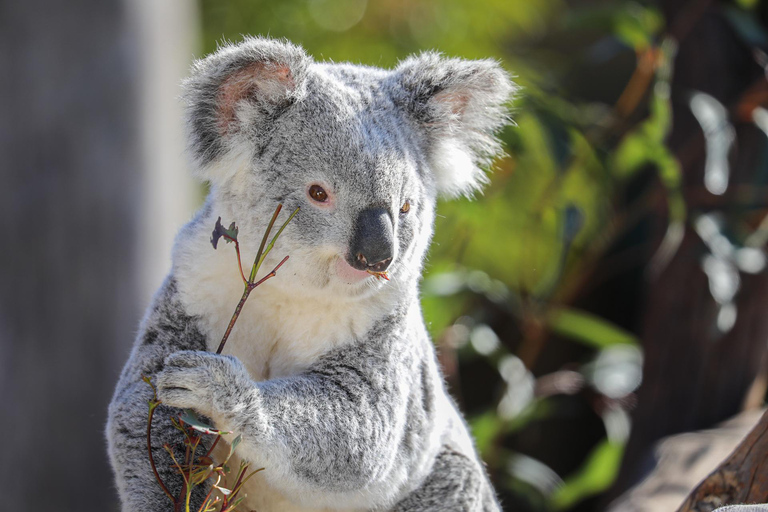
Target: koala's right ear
231,97
460,105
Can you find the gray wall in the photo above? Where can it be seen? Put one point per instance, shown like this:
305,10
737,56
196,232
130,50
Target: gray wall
79,186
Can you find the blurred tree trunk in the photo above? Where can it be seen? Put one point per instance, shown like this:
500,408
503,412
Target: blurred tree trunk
741,478
69,199
695,375
74,203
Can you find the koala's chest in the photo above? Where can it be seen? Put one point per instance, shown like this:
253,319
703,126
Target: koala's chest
276,339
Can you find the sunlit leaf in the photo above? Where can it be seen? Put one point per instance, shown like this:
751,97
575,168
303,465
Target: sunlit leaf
191,418
587,328
596,475
630,22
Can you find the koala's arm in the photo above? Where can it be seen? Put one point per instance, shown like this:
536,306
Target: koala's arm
166,329
354,430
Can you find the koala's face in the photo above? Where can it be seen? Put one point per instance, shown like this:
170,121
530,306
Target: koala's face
362,152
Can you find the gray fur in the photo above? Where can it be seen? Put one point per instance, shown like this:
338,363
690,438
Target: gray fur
333,385
165,330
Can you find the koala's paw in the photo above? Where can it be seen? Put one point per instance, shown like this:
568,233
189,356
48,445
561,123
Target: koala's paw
202,381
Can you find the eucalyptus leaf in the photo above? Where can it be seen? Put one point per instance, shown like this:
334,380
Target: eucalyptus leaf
596,475
191,418
587,328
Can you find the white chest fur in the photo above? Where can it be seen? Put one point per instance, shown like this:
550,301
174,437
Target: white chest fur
277,333
283,327
277,336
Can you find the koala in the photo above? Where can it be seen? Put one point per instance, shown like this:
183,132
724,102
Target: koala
329,375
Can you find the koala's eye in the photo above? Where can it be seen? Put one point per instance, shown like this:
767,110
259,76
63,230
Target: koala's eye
317,193
406,207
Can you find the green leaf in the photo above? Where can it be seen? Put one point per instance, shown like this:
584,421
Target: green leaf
485,429
748,4
229,234
190,418
257,264
596,475
631,23
200,476
232,446
587,328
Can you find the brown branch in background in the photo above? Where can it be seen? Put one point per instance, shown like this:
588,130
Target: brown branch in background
534,340
741,478
639,81
688,17
757,391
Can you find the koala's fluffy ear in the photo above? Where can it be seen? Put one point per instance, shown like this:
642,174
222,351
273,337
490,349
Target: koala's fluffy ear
233,94
460,104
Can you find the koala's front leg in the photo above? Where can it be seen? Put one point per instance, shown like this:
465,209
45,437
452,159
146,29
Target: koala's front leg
127,435
456,483
327,438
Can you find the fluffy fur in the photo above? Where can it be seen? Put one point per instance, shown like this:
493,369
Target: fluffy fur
331,380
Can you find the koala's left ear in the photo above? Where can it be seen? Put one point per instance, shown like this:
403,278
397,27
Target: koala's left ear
460,105
233,96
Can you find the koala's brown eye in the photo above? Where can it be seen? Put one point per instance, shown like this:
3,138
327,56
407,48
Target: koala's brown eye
406,207
317,193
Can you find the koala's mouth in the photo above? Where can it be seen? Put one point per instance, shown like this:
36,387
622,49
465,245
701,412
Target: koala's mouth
349,274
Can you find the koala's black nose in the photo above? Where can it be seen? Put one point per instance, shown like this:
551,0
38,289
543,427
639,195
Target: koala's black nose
372,246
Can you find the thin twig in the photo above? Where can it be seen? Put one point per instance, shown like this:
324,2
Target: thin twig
263,243
206,501
250,284
153,405
215,442
239,263
271,274
235,315
235,491
274,239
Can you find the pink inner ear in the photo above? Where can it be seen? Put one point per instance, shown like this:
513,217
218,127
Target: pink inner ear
456,102
267,80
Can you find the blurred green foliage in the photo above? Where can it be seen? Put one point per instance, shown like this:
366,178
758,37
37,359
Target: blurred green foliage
505,270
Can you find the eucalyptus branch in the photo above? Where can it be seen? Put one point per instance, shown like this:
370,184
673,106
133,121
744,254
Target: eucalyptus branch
260,260
257,261
197,469
152,406
264,249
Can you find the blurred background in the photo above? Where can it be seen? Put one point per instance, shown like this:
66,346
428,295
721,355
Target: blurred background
608,290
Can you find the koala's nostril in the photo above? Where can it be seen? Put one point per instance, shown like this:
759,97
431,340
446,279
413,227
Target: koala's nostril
381,266
361,263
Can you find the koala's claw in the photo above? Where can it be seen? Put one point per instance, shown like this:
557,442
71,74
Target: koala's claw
200,380
193,379
181,398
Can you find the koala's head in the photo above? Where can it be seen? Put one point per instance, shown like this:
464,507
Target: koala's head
364,153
